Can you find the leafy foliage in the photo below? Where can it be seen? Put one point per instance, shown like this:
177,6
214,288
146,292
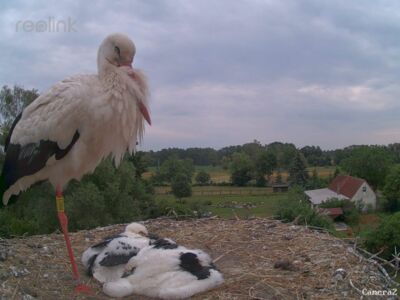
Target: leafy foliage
203,178
315,156
351,213
278,178
296,207
385,237
241,169
391,190
370,163
12,102
181,186
265,165
298,174
173,167
107,196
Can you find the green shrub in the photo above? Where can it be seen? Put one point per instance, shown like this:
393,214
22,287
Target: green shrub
181,186
351,214
386,236
202,178
23,227
107,196
296,207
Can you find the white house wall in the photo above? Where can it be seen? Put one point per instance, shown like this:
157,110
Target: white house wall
367,198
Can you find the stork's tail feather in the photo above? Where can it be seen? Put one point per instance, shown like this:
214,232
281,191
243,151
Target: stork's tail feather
3,188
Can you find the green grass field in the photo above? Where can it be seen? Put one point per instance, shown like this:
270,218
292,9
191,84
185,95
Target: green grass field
219,175
219,190
230,206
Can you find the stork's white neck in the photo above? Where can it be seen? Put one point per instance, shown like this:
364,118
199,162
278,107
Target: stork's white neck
111,78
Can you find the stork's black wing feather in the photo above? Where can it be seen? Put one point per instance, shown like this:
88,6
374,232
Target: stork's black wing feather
163,244
106,241
190,263
28,159
8,138
115,259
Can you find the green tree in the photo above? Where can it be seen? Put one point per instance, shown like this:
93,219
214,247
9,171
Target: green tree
141,161
181,186
350,215
313,182
174,166
12,102
115,194
298,170
385,237
85,205
296,207
371,163
253,149
278,179
284,153
265,165
336,173
203,178
241,169
225,162
314,156
391,190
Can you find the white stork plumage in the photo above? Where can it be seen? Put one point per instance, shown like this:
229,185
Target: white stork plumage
106,260
166,270
67,131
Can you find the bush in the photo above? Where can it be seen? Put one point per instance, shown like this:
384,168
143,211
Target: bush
181,186
351,214
386,236
183,210
296,207
107,196
203,178
392,190
241,169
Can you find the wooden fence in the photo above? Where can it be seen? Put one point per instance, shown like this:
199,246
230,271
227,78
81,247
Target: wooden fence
221,191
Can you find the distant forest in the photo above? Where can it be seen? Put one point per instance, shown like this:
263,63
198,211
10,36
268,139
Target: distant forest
284,153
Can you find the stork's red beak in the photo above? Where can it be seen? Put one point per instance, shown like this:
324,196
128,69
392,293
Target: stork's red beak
142,107
145,112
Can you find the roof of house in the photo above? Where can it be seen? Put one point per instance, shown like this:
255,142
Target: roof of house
333,211
321,195
346,185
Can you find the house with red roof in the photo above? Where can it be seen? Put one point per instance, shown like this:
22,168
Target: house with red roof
355,189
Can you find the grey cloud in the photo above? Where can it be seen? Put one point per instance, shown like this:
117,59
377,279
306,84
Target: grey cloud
226,72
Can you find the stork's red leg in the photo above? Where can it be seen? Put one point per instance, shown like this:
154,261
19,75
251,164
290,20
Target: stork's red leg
62,217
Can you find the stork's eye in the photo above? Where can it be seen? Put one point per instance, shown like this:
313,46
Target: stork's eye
116,49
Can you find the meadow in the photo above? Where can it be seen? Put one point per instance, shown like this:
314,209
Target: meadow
230,206
221,175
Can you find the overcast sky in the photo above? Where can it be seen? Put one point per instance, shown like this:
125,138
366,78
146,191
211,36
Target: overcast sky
226,72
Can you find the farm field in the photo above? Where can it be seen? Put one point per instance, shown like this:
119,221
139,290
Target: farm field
242,206
219,175
219,190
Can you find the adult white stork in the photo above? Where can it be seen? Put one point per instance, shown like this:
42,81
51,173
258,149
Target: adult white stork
67,131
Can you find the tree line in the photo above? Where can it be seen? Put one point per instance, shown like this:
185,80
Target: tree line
284,152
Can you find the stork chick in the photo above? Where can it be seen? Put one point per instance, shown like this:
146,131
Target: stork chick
105,261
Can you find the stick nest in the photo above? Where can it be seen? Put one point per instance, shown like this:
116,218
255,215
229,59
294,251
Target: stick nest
260,259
